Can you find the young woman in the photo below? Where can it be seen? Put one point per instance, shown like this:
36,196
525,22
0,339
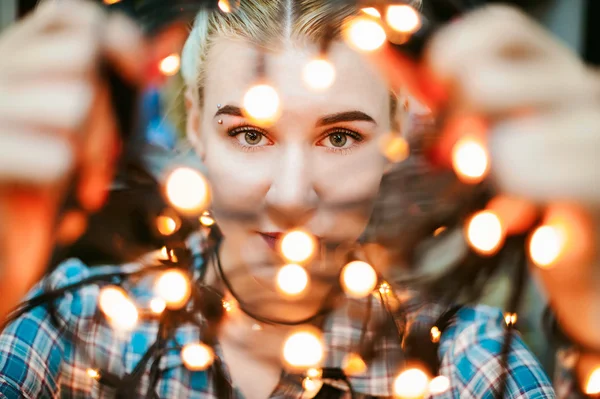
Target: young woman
322,151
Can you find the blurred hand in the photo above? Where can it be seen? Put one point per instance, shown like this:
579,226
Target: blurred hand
55,116
543,106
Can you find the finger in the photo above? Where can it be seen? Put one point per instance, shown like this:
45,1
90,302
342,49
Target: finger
32,158
98,154
500,87
549,157
58,106
490,33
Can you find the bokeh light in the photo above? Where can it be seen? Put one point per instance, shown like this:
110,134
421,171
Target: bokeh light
394,147
485,233
411,384
470,160
358,279
365,34
303,349
292,279
353,364
224,6
510,319
261,104
157,305
93,374
173,286
197,357
439,385
297,246
167,225
546,245
187,190
169,66
435,334
403,18
319,74
372,11
592,386
120,312
206,219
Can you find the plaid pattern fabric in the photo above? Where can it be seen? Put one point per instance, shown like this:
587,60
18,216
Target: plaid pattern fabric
38,359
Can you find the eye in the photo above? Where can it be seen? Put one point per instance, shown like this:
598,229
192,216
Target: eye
339,139
248,136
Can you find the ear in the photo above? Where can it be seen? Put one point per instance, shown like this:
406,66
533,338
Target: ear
193,121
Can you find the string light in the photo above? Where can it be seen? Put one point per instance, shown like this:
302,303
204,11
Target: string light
169,66
206,219
394,147
157,305
439,231
224,6
365,34
297,246
439,385
319,74
372,11
167,225
384,288
546,245
197,356
435,334
261,104
353,364
510,319
292,279
303,349
314,373
403,18
227,305
173,286
411,384
93,374
592,386
311,387
485,233
470,160
358,279
187,190
120,312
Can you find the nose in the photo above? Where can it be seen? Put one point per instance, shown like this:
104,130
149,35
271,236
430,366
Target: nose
291,199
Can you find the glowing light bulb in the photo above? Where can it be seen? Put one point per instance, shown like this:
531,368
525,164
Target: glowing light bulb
224,6
227,305
435,334
365,34
546,245
314,373
311,387
439,385
403,18
173,286
120,312
197,357
187,190
157,305
297,246
394,147
485,232
439,231
411,384
292,279
384,288
372,11
303,349
319,74
358,279
206,219
169,66
470,160
592,386
353,364
261,103
166,225
93,374
510,319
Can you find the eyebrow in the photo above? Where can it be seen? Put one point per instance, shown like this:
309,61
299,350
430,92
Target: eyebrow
348,116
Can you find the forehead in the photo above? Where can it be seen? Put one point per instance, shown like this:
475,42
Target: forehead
232,65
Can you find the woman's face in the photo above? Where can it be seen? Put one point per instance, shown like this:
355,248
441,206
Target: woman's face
318,167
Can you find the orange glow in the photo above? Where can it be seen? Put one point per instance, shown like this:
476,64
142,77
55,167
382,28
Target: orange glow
173,286
292,280
166,225
261,104
485,233
546,245
187,190
120,312
353,364
592,386
365,34
358,279
170,65
297,246
111,2
411,384
470,160
197,357
394,147
319,74
224,6
510,319
517,215
303,349
435,334
439,384
372,11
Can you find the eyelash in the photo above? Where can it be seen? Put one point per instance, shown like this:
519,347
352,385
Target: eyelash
242,128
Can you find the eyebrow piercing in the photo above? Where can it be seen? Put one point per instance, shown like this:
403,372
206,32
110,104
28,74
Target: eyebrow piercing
220,121
218,105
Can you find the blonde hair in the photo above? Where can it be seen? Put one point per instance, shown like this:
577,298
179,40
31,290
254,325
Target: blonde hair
266,23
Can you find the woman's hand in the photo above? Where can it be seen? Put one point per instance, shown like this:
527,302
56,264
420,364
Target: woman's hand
543,108
55,117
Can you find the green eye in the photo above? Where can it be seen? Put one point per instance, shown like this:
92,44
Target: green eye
338,139
253,137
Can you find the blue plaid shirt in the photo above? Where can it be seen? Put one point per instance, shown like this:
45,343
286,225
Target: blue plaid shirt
38,360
